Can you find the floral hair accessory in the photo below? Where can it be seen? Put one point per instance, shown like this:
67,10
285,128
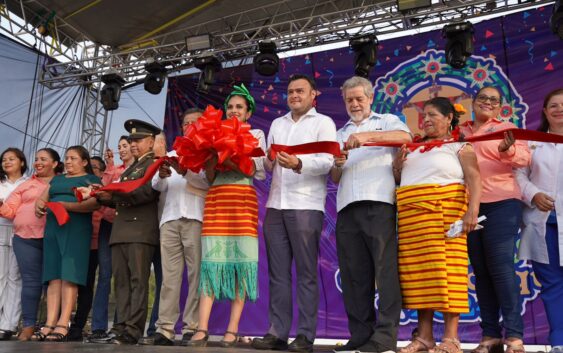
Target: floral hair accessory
460,108
243,92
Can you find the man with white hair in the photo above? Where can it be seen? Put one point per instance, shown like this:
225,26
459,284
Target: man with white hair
366,239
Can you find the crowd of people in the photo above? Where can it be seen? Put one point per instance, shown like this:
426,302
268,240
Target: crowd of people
409,220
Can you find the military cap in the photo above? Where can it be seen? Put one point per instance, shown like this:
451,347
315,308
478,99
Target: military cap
140,129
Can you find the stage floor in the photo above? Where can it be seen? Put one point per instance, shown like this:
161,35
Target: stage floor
14,346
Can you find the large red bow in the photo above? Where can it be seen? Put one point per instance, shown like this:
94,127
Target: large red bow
229,138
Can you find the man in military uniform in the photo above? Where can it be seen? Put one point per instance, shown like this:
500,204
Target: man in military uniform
134,237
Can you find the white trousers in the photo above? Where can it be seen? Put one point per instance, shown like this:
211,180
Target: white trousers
10,282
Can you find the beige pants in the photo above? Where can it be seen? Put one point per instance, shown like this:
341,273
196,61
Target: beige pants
10,282
180,246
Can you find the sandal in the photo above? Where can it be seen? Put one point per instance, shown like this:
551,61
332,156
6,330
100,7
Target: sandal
228,344
57,336
489,345
202,342
514,345
449,345
39,335
418,345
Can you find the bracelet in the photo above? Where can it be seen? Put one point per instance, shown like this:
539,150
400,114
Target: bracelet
297,169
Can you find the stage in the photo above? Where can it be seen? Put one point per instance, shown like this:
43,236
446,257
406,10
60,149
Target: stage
14,346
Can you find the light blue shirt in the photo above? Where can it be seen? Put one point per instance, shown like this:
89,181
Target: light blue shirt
367,174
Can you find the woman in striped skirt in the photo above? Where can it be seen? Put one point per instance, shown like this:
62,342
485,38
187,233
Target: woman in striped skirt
433,195
229,237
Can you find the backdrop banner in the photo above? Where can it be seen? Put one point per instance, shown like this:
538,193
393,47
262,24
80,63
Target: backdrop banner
516,53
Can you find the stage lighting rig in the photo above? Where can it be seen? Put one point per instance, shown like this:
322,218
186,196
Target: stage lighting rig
154,81
556,19
267,62
365,49
111,92
208,65
459,43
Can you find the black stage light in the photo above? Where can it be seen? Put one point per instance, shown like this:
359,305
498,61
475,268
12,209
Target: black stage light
111,92
208,65
365,47
267,62
556,19
459,43
405,5
154,81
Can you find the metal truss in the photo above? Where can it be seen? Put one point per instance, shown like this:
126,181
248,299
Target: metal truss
22,23
94,123
292,24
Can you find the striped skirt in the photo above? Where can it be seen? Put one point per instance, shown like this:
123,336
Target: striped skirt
229,240
432,267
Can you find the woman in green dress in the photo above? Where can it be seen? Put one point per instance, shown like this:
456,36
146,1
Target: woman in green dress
66,248
229,236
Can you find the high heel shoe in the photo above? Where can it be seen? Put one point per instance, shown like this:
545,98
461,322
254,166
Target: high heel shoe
202,342
58,336
229,344
39,335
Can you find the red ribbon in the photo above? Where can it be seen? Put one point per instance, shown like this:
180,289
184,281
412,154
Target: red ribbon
519,134
229,138
334,148
128,186
59,212
307,148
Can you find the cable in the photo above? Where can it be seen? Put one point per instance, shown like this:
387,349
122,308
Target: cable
30,103
138,105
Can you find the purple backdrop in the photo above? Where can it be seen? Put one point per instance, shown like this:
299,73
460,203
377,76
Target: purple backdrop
518,53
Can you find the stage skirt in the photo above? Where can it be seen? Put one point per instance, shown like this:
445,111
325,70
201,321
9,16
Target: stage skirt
229,240
432,267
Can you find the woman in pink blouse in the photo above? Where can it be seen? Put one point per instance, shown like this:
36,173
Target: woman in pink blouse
491,249
28,233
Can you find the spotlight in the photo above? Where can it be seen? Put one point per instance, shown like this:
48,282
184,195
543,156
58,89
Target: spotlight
43,30
110,93
266,63
365,48
198,42
208,65
556,19
154,81
405,5
459,44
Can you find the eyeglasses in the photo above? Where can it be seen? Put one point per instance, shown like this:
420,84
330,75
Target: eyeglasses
483,99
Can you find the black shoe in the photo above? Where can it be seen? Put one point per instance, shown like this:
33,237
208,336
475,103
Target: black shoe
158,339
202,342
300,344
229,344
269,342
186,338
348,347
100,336
5,335
75,335
124,338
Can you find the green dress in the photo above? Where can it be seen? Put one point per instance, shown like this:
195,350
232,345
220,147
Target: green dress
66,248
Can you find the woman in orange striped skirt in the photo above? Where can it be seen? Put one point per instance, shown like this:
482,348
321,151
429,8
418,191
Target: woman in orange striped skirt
432,196
229,237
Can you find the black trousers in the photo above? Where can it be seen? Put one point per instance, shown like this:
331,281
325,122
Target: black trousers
86,294
366,244
131,268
